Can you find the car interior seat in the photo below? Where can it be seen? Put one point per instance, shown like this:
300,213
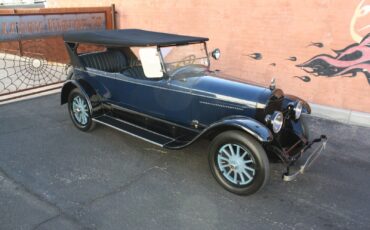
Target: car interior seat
134,72
113,61
109,61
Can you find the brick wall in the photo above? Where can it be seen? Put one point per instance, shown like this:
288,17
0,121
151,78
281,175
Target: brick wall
281,31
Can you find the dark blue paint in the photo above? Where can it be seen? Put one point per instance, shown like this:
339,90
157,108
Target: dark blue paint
204,98
199,96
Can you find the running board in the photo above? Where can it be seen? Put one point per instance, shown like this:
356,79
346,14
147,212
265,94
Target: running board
134,130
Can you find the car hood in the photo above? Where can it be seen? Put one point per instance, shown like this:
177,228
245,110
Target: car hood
218,87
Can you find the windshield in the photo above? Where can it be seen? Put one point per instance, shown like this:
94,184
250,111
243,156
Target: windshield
176,57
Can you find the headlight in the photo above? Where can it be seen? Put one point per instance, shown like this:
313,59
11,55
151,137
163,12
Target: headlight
276,121
298,110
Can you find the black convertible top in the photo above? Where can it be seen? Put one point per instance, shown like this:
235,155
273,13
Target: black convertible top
130,37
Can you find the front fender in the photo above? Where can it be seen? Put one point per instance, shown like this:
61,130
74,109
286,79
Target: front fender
246,124
298,127
291,98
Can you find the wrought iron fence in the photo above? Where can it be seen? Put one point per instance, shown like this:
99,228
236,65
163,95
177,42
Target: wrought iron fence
32,53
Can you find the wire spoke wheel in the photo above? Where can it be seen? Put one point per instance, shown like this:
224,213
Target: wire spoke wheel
80,110
236,164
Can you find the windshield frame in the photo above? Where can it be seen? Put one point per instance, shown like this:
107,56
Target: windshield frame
163,63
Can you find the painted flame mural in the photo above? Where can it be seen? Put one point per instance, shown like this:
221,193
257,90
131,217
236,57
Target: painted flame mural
349,61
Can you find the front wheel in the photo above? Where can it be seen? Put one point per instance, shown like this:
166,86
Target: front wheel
79,110
238,162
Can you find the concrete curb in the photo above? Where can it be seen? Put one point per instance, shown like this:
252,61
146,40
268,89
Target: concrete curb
341,115
27,97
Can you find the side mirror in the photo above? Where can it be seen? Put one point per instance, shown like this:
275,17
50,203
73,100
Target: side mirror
216,53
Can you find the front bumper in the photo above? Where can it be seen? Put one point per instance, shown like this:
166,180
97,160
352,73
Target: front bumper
289,176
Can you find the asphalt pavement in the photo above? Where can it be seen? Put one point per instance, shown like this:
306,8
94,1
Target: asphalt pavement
53,176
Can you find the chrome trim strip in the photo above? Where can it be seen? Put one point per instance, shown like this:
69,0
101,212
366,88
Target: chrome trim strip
260,106
220,105
124,131
236,100
221,97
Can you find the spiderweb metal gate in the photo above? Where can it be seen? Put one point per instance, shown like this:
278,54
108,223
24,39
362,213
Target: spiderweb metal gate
32,52
30,70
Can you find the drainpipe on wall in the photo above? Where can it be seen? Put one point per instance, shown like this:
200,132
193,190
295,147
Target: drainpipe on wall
113,17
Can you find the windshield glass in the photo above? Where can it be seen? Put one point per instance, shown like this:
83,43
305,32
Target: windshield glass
176,57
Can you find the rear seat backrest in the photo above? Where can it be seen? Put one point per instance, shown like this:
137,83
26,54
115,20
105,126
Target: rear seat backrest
109,61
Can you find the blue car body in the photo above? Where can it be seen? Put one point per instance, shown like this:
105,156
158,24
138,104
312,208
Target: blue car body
177,110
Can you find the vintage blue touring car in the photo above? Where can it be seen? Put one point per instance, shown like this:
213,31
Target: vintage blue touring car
159,87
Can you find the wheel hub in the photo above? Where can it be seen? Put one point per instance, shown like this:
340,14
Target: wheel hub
236,162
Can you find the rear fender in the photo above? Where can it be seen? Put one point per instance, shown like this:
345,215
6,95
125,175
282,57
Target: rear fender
91,96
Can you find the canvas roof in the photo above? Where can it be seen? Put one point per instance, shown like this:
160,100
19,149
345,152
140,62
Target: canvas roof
130,37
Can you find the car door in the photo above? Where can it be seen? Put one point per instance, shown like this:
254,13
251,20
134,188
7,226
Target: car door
156,97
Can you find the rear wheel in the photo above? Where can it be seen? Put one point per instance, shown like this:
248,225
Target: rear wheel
79,110
238,162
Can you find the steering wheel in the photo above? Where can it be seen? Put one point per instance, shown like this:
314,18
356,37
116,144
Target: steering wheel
188,60
184,68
